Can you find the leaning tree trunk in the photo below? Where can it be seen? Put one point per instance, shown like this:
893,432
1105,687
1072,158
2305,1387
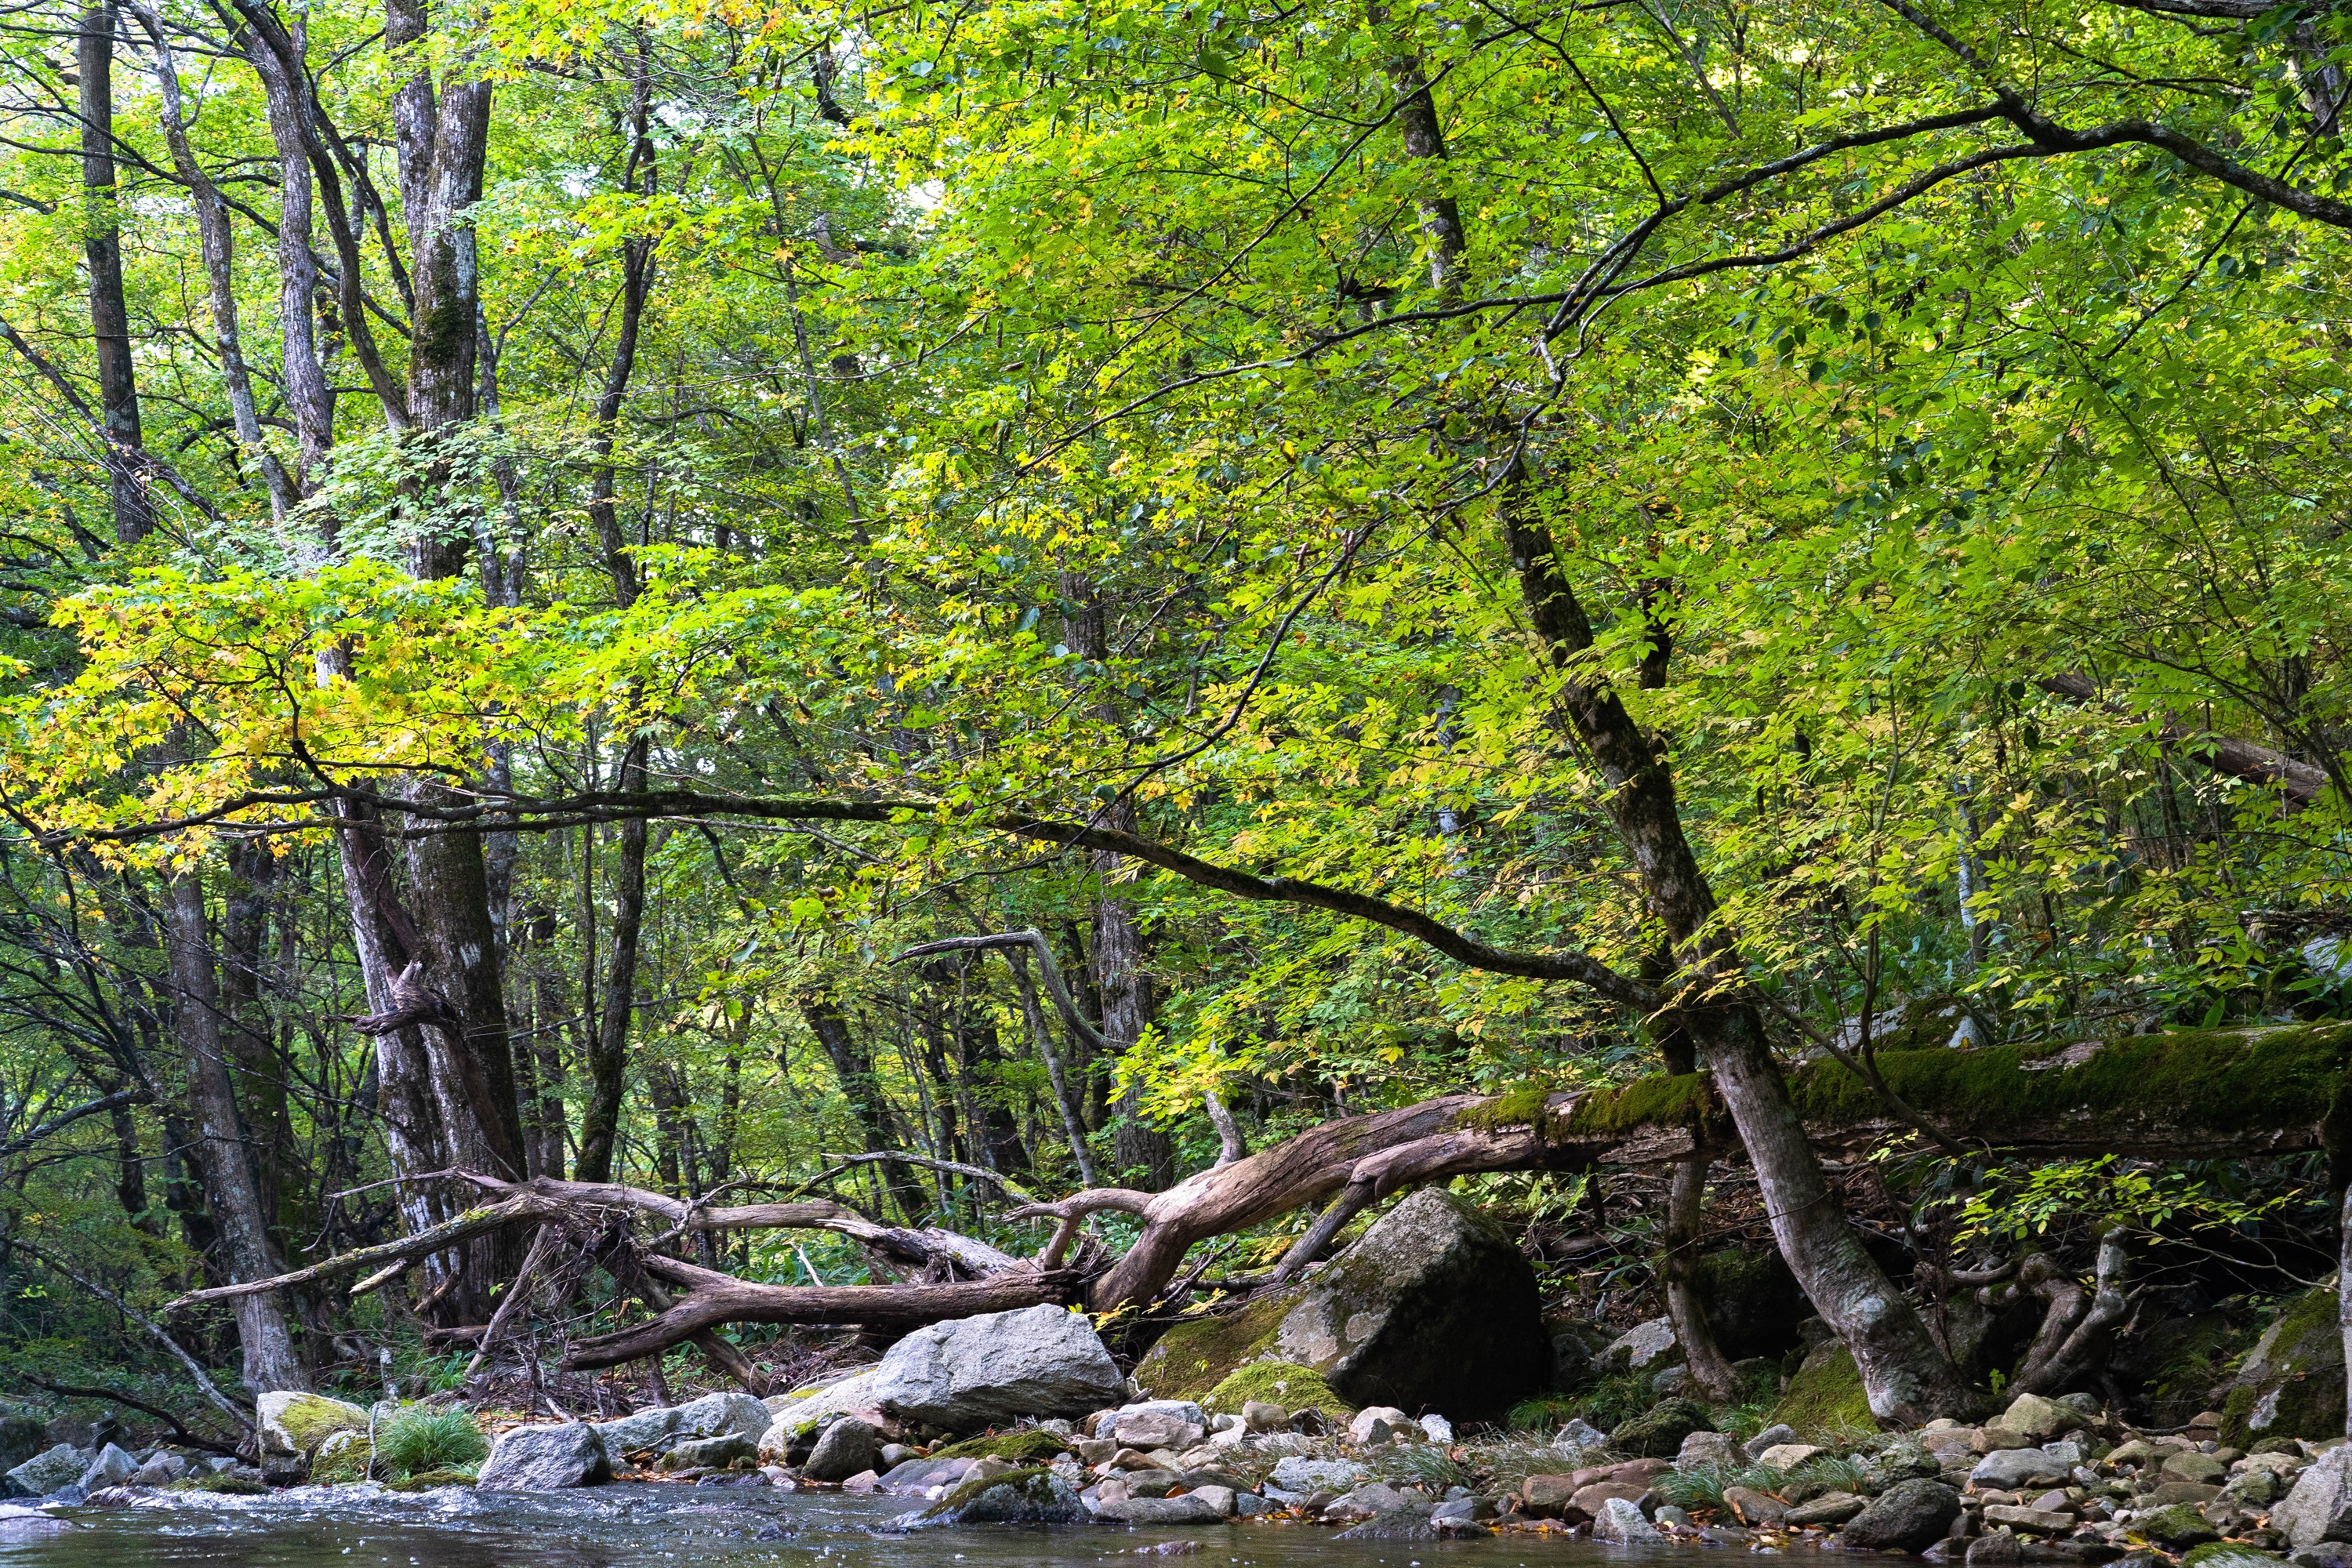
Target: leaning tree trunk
1685,1205
219,1150
110,315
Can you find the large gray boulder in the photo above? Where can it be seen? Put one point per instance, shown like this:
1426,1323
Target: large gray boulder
2319,1507
546,1458
1434,1307
1190,1508
665,1427
993,1369
112,1467
2291,1384
2013,1467
843,1449
46,1471
1910,1515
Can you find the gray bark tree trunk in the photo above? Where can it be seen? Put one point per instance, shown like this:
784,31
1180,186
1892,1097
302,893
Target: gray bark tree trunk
218,1145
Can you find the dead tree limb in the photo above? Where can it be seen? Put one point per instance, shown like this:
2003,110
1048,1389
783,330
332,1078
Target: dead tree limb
713,1298
515,1210
2298,783
922,1247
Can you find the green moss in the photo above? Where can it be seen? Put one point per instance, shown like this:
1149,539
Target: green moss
224,1483
1031,1446
1825,1395
1196,1354
2232,1080
424,1482
342,1458
2228,1554
311,1419
1658,1431
973,1488
2301,1377
1521,1105
1283,1382
1662,1099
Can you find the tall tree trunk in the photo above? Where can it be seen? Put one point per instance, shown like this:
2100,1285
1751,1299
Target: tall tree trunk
547,1043
1905,1375
102,244
853,1068
608,1053
218,1149
1139,1150
1685,1205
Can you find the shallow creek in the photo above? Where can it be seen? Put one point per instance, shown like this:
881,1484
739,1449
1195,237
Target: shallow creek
643,1526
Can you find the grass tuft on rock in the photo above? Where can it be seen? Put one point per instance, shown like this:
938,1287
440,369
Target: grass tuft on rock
420,1439
1283,1382
1031,1446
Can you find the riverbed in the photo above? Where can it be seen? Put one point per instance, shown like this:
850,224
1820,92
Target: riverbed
662,1526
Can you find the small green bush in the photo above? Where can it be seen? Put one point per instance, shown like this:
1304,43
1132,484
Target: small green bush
421,1438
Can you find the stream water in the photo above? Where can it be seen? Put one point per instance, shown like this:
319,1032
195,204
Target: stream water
643,1526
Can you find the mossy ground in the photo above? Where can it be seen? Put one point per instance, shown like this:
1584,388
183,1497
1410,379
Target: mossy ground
1196,1355
1283,1382
1826,1395
1031,1447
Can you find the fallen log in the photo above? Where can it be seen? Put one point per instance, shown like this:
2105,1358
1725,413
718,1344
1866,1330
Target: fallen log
924,1247
713,1298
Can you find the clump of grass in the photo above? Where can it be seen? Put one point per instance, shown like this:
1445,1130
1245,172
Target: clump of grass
1512,1460
1743,1421
1424,1464
1834,1472
1545,1413
1616,1399
1703,1486
421,1438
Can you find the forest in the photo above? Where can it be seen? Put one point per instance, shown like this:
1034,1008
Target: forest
687,685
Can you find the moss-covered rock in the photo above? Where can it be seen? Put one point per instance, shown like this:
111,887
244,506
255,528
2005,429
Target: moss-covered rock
1825,1395
1027,1447
1283,1382
1200,1353
2228,1554
1433,1307
2175,1527
342,1458
1016,1496
298,1422
2291,1383
1658,1431
222,1482
428,1481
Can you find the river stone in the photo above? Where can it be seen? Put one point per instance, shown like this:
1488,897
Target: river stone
2011,1469
712,1453
1393,1524
1830,1508
1771,1438
664,1426
1910,1515
1752,1507
1642,1348
991,1369
2175,1527
1709,1448
2191,1466
112,1468
46,1471
1379,1424
1593,1496
1295,1473
2038,1418
2320,1507
1435,1307
842,1450
20,1523
2028,1521
2256,1489
1661,1429
546,1458
294,1423
1177,1424
1020,1496
1190,1508
2291,1384
160,1472
1620,1522
853,1395
1788,1456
